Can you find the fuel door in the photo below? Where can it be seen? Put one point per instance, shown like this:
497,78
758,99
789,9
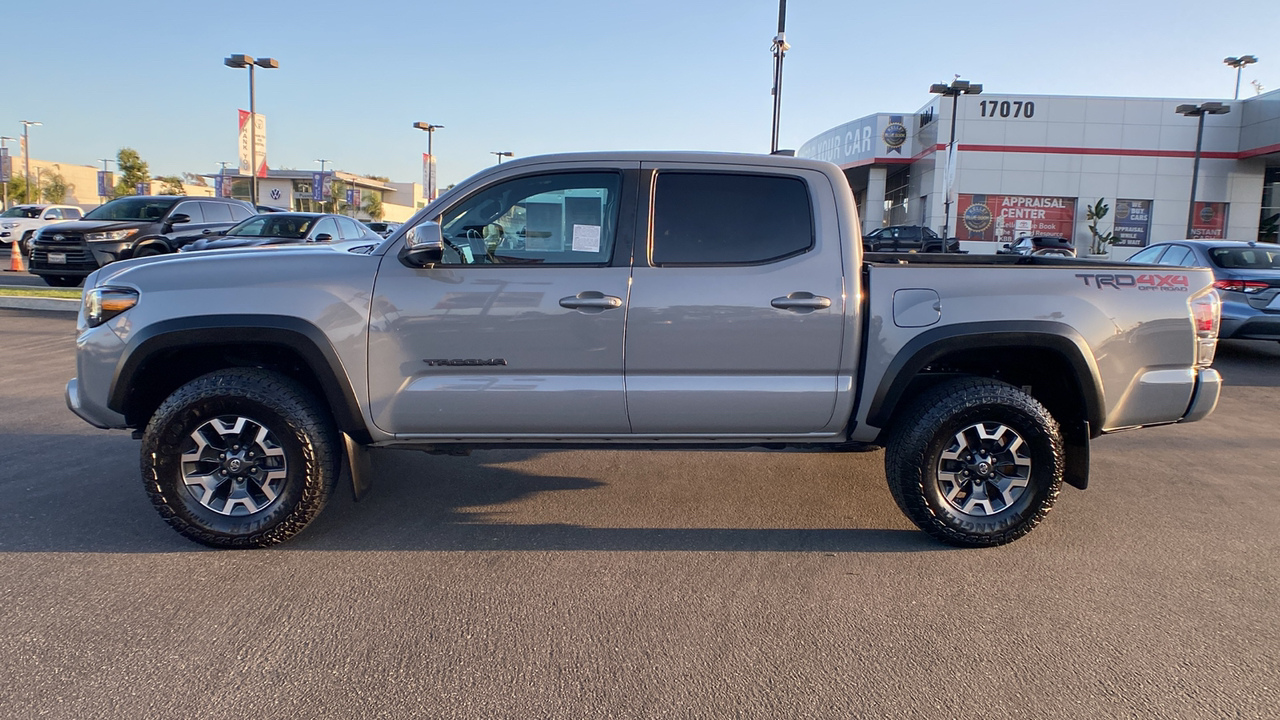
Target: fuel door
916,307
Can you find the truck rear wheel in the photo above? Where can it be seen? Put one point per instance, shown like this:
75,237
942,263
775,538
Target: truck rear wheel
975,462
242,457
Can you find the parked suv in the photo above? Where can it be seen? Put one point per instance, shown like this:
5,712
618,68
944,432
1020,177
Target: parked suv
135,226
20,222
1039,245
907,238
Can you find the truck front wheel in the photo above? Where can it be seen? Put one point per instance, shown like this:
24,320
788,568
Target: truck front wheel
241,457
975,462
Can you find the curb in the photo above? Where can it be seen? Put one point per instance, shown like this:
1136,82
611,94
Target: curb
39,303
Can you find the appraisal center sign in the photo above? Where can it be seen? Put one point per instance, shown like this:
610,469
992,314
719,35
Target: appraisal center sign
1005,218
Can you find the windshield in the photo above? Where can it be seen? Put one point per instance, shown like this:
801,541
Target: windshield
1247,258
132,208
274,225
22,212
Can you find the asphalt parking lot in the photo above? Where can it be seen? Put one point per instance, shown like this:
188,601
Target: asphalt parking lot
642,584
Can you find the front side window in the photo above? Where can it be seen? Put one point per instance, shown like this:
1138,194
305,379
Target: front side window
276,225
326,226
53,214
561,219
703,218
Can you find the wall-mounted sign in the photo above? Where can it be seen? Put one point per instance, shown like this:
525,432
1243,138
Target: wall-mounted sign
1133,223
895,134
1004,218
1209,220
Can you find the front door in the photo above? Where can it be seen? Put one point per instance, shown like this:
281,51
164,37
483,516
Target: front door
737,305
519,331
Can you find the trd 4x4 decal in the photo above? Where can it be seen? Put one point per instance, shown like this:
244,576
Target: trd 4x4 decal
1146,281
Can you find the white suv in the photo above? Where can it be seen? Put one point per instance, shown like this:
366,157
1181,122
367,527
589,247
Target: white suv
20,222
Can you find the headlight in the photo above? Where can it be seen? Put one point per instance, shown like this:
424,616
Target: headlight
102,304
8,226
109,236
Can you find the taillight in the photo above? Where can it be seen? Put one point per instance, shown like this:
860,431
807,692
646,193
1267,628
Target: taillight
1244,286
1206,312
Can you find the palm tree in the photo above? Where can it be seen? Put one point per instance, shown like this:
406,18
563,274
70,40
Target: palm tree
373,205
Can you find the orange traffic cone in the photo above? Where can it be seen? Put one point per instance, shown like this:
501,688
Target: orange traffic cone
15,258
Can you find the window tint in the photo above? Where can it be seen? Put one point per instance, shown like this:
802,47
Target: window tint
71,213
723,219
326,226
350,229
239,212
216,212
1176,255
1149,255
568,218
189,208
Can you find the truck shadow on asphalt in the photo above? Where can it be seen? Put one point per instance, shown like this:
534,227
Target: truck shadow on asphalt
418,503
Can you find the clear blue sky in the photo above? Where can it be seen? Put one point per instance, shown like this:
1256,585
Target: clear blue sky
567,75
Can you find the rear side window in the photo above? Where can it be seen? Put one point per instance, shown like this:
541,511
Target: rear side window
350,229
1149,255
71,213
1176,255
240,212
216,212
191,209
729,219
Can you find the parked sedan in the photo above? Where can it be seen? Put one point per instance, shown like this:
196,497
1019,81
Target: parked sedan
382,228
1246,274
283,228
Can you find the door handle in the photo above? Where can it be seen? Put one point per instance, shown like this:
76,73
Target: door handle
801,301
591,300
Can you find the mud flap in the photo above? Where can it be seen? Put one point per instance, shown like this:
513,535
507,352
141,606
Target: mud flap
1075,441
358,463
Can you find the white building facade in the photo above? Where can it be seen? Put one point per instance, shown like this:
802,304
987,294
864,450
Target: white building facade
1034,164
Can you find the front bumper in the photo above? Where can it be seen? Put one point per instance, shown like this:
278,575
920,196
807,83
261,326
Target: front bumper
1205,396
82,257
96,416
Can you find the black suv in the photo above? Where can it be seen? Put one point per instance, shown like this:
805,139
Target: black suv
135,226
1039,245
907,238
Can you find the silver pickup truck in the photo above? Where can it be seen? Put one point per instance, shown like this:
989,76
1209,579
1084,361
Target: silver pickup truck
642,300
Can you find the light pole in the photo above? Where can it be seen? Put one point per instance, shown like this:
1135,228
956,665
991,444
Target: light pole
501,154
104,162
957,88
26,160
243,61
780,48
1238,63
431,175
4,151
1199,111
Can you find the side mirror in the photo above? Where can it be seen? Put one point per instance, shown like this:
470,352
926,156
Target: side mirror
323,237
1006,246
423,246
179,219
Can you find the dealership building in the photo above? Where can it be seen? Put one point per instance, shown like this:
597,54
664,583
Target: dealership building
1034,164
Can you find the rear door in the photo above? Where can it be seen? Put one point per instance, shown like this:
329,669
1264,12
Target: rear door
735,320
519,330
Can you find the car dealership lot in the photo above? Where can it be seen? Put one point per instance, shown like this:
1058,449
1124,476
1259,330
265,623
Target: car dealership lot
641,584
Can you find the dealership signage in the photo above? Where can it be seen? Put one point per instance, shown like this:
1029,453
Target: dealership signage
321,186
1209,220
428,177
258,140
1004,218
1133,223
106,183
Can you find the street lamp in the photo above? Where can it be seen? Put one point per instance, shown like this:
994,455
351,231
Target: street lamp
957,88
1209,108
780,48
4,152
26,160
1238,63
431,175
502,154
247,61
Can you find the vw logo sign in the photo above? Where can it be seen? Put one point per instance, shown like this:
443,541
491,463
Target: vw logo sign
275,193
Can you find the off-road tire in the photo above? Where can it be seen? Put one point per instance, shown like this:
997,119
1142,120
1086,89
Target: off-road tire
299,423
929,427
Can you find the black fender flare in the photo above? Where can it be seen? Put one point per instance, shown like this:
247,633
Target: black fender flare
158,241
296,334
927,347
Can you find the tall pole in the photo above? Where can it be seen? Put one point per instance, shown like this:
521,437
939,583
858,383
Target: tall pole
1239,69
952,156
780,48
253,143
1195,175
4,139
26,159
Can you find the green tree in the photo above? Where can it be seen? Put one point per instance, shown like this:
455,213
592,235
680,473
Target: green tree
338,200
1094,213
373,205
54,188
171,185
17,189
133,170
